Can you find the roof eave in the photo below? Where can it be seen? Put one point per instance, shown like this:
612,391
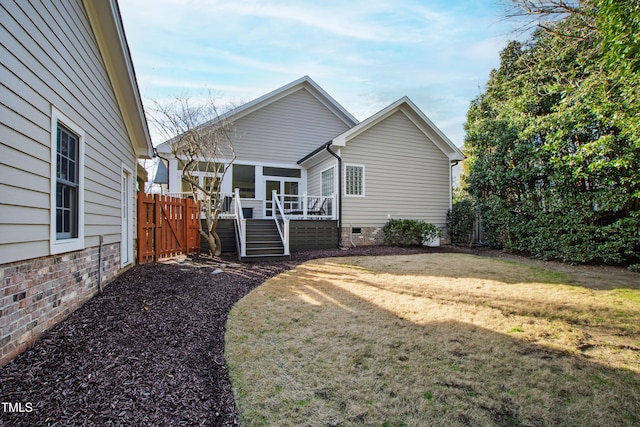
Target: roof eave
442,142
106,23
285,90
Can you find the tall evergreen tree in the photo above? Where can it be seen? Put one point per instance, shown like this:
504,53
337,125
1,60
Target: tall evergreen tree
554,158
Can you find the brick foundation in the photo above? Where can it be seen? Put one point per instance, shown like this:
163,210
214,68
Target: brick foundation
38,293
368,236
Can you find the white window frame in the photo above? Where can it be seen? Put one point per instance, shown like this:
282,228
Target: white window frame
346,194
56,245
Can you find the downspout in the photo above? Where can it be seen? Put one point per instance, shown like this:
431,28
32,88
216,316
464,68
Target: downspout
339,191
453,165
101,238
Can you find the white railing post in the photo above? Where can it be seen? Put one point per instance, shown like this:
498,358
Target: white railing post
334,206
305,205
241,222
286,236
284,230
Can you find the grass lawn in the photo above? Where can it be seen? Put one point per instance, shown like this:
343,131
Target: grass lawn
437,339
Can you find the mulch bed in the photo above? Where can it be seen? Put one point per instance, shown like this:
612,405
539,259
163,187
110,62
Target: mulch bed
148,351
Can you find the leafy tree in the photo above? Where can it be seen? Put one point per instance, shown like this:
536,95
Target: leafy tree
553,146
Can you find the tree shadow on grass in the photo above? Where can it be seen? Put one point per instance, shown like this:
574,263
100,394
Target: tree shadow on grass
529,299
307,349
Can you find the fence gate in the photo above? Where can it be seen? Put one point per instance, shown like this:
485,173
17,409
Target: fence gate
167,227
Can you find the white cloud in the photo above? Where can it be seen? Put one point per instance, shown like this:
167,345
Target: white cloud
364,53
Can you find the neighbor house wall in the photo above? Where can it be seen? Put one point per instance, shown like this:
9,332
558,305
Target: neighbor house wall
406,176
51,67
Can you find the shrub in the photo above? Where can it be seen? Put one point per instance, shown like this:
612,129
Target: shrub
460,220
409,232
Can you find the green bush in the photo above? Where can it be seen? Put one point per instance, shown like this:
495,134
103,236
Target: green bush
460,220
409,232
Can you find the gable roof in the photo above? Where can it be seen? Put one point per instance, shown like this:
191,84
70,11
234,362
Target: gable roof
417,117
303,83
107,27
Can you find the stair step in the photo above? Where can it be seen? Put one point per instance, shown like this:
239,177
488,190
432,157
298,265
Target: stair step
264,245
266,257
275,235
263,241
265,251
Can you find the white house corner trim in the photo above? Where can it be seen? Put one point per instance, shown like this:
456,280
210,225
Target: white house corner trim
127,255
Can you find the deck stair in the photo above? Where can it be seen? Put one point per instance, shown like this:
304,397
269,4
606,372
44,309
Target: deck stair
263,241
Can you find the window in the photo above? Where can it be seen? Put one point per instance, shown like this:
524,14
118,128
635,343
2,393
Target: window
67,186
67,183
327,182
244,178
354,180
286,172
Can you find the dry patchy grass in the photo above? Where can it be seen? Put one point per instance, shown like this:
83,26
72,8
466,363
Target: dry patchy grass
440,339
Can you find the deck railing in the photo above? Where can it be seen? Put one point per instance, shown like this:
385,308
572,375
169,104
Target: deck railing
280,217
294,206
303,206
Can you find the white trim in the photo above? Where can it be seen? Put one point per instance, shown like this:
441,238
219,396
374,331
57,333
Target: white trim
58,246
127,234
344,180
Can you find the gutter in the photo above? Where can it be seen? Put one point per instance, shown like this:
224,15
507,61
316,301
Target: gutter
318,150
334,154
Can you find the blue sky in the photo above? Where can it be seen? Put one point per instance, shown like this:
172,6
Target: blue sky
365,53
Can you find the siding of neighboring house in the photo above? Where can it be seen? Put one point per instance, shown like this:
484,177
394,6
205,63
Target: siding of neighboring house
285,130
51,65
406,176
50,57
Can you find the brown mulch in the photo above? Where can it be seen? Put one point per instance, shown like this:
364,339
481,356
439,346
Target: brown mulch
149,350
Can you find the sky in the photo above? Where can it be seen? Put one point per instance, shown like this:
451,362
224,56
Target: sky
365,53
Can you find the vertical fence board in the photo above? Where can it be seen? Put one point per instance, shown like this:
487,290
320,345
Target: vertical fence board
146,228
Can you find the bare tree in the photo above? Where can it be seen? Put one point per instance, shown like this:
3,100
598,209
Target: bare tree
200,139
545,13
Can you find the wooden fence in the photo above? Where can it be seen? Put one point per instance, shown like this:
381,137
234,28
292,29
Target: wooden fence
167,227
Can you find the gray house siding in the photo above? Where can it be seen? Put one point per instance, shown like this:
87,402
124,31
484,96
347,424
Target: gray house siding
405,175
285,130
314,174
50,58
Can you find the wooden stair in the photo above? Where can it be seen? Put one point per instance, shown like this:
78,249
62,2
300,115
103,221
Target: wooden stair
263,241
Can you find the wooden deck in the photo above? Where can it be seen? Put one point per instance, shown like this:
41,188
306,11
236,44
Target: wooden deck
304,235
